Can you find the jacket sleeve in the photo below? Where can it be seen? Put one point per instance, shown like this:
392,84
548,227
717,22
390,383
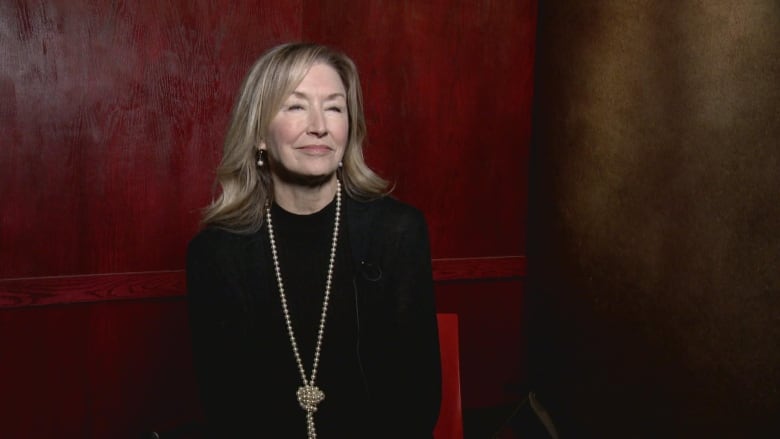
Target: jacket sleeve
419,368
211,327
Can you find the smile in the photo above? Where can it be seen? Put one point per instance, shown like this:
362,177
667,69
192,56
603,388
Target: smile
315,149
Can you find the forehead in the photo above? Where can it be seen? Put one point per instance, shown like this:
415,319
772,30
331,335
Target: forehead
321,78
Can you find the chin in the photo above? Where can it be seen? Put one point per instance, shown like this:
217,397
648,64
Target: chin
306,178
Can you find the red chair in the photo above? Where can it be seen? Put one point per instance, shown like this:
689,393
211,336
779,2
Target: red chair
450,424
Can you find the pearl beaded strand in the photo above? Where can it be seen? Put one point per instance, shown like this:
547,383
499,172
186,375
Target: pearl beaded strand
309,395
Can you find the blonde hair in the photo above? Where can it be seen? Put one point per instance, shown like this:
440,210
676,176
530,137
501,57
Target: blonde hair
245,187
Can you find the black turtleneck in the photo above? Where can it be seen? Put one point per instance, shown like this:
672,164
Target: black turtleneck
246,371
303,244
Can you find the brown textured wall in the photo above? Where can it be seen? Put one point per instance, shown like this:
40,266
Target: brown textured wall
655,218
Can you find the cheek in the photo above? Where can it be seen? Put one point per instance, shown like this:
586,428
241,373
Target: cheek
343,133
281,133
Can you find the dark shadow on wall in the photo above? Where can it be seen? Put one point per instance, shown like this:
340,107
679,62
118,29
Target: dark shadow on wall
654,293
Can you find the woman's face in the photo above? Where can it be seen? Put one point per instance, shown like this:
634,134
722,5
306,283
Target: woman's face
307,137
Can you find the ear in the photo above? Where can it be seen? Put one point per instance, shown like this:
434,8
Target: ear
262,146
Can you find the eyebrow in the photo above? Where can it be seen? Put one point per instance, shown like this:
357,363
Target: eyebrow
329,97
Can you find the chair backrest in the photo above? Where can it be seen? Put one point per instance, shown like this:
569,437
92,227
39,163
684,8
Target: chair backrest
450,424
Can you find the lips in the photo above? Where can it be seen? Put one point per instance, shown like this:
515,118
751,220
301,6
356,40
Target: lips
315,149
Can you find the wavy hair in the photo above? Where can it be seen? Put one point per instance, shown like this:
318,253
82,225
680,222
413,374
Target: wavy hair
245,187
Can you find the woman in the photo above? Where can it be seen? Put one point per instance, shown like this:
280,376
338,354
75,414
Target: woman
310,289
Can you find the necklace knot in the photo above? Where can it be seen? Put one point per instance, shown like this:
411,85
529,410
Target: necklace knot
309,396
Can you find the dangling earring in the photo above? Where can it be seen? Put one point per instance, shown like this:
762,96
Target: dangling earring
341,164
260,161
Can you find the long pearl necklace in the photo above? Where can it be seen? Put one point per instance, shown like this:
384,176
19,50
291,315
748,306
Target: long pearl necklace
309,395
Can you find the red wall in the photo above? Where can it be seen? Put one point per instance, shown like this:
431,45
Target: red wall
113,114
112,119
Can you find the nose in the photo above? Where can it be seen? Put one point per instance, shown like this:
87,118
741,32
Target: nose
317,124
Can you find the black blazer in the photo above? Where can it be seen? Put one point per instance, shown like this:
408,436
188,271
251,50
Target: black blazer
398,337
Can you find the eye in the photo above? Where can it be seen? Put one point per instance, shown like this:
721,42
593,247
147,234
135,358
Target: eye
294,107
336,109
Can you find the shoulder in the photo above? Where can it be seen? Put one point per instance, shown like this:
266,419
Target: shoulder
214,242
385,220
389,210
210,239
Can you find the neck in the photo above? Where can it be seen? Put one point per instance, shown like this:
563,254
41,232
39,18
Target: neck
304,200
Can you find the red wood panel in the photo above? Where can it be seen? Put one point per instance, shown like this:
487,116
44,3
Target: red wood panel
486,268
448,97
492,339
101,370
114,369
113,115
44,372
26,292
140,368
17,293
